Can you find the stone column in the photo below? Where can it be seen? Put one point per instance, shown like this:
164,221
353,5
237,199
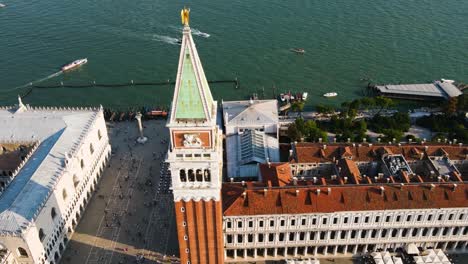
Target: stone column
141,139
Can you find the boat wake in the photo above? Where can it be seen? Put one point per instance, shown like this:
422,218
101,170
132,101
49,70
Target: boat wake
197,32
166,39
33,82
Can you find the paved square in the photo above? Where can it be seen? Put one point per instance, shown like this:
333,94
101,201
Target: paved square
131,213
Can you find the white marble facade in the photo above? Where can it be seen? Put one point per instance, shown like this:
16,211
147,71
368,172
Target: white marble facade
64,177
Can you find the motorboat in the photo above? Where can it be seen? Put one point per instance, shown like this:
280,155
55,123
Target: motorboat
2,5
298,50
447,81
179,42
330,94
74,64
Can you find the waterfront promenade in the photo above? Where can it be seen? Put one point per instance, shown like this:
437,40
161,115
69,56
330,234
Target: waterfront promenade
131,214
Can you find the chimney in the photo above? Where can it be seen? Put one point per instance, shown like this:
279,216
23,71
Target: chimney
382,190
290,153
345,179
460,144
243,183
232,179
265,190
315,179
324,146
329,191
454,141
445,140
294,181
378,140
349,140
439,179
297,192
320,140
432,186
410,140
318,191
454,187
244,194
364,140
401,186
370,144
438,140
334,140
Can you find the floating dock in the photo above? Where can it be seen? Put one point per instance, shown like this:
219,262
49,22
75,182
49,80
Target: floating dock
429,91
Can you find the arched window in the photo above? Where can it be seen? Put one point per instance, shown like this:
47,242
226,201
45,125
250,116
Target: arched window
41,234
91,148
99,134
207,175
53,213
198,175
22,252
183,177
191,175
82,163
76,181
64,194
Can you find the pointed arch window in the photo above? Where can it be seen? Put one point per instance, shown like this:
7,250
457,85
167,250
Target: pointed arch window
22,252
53,213
41,234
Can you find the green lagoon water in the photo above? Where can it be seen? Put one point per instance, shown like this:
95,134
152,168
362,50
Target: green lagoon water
345,41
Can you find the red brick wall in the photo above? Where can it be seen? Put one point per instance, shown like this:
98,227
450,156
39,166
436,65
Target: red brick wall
203,229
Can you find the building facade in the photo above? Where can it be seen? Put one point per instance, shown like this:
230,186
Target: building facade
326,201
195,161
44,197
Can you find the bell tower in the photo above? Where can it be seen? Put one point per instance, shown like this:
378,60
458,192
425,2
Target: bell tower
195,159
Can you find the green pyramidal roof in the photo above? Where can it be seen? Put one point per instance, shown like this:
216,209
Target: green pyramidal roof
193,97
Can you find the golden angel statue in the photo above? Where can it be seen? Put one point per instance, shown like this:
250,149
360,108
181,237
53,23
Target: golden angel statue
184,15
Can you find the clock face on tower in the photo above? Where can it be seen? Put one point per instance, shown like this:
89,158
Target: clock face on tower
192,139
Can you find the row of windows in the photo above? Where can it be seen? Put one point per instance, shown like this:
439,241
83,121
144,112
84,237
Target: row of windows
349,234
350,220
195,175
193,155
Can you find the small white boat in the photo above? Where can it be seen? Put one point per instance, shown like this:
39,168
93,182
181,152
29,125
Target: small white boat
330,94
447,81
74,64
298,50
2,5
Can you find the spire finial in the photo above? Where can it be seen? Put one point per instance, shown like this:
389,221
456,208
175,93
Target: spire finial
184,15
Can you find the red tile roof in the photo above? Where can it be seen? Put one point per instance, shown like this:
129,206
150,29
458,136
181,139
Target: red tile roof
251,200
348,168
317,152
275,174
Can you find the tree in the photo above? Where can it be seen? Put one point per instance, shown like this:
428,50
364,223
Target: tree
293,133
324,109
297,106
383,102
391,134
368,102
